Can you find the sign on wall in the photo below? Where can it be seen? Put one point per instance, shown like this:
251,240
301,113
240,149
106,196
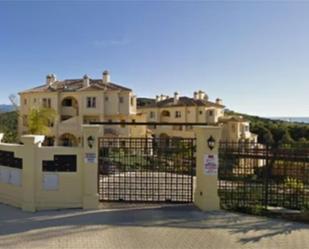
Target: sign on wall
10,176
50,181
90,158
4,175
15,177
211,165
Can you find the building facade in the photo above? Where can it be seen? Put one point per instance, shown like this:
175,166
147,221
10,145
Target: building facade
81,101
196,109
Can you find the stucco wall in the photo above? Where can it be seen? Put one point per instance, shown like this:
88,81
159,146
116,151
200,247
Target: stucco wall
29,192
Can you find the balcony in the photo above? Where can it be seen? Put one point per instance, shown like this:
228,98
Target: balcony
69,111
71,125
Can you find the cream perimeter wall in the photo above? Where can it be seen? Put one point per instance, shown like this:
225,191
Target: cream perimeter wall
24,188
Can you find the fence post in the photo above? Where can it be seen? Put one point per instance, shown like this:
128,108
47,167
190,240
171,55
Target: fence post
206,192
91,134
31,143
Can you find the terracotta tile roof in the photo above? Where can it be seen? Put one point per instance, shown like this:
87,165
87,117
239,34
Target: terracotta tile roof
183,101
74,85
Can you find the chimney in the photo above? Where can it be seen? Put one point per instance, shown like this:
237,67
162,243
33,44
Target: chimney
176,97
219,101
86,80
157,98
206,97
201,94
50,79
195,95
106,77
161,97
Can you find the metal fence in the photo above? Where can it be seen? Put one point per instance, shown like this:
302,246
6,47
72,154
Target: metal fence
146,169
255,176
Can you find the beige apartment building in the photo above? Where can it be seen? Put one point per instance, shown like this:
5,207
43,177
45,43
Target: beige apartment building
196,109
81,101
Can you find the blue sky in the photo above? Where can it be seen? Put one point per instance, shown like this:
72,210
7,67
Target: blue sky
253,55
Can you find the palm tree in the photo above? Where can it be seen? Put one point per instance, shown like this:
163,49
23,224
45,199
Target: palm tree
40,120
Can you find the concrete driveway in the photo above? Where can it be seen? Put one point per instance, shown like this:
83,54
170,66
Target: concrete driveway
177,226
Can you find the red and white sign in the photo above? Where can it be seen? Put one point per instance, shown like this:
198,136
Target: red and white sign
211,165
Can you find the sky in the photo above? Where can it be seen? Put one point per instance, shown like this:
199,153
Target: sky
252,54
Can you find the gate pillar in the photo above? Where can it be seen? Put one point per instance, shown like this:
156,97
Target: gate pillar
206,191
91,133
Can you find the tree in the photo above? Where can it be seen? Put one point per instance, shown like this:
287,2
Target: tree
40,120
14,100
286,138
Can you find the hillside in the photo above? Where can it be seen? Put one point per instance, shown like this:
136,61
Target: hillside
6,108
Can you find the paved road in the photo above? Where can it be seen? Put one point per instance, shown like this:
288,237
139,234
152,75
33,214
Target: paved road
152,227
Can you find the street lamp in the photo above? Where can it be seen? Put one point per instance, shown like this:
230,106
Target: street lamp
211,142
90,141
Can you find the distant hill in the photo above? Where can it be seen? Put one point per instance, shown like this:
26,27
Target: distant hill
6,108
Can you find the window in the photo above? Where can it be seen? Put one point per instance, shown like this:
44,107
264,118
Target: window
233,128
34,100
120,99
91,102
46,102
201,112
132,101
177,114
106,98
25,101
246,128
211,112
152,115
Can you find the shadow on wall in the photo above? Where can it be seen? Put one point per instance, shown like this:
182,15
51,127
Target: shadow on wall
49,224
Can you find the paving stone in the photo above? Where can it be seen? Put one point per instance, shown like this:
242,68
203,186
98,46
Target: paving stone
152,226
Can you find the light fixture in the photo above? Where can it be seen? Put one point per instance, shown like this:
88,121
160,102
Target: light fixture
90,141
211,142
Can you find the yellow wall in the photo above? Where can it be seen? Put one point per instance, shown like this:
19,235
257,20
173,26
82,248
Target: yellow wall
30,195
69,193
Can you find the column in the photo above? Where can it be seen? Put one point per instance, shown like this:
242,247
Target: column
31,144
206,192
91,133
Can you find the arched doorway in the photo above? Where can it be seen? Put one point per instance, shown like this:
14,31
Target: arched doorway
69,108
68,140
165,116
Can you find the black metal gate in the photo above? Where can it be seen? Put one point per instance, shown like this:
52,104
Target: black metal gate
256,177
146,169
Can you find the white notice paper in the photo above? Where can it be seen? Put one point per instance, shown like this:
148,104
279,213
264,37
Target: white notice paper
211,165
50,181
